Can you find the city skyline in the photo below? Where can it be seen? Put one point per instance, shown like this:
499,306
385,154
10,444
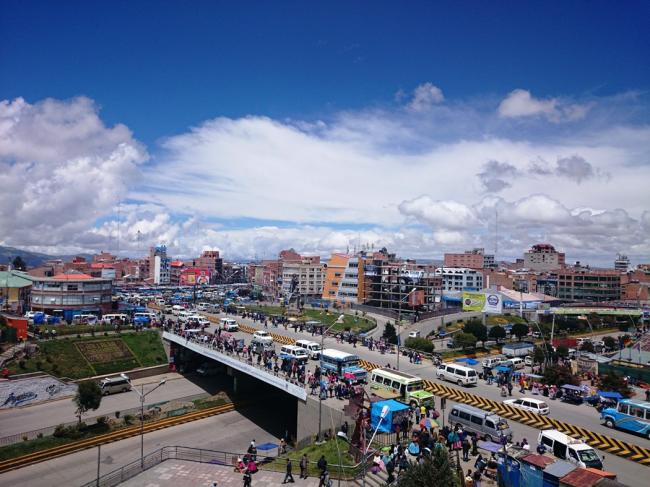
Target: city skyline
355,143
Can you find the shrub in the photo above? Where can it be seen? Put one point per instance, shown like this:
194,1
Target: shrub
48,358
39,364
128,419
117,415
40,435
105,333
60,431
421,344
25,438
102,420
21,364
55,368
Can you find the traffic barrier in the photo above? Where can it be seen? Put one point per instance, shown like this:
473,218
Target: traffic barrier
39,456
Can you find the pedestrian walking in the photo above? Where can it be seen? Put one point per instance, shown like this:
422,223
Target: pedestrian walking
304,463
247,478
288,476
322,464
465,447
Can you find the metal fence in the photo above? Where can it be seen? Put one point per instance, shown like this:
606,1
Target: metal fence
135,411
215,457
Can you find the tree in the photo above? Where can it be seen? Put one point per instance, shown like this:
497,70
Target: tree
465,340
497,332
559,375
19,264
476,328
614,382
610,343
538,355
389,333
562,351
436,470
520,330
89,396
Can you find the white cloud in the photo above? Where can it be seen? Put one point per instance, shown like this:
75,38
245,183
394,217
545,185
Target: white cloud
521,103
61,169
425,96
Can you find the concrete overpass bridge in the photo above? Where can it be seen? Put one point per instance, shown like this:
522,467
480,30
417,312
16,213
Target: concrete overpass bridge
239,364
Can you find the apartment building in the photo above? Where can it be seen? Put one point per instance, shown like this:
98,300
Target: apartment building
586,284
159,265
341,281
310,273
210,260
544,257
460,278
471,259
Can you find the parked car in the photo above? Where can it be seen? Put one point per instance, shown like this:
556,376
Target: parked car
263,337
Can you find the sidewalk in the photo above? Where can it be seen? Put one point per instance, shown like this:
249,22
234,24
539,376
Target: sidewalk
175,473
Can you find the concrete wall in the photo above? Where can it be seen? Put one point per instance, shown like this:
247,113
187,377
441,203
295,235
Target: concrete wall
308,418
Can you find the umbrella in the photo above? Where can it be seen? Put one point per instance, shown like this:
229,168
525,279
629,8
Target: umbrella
414,449
428,423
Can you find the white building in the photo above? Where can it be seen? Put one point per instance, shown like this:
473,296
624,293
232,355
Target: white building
310,274
460,279
622,263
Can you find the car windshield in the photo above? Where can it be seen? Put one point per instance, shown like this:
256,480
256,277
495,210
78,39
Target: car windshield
588,456
471,373
415,386
543,405
502,425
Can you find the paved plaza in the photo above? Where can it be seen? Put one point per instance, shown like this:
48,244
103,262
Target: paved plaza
175,473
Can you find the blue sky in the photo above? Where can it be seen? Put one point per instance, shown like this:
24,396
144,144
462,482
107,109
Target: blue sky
162,66
250,126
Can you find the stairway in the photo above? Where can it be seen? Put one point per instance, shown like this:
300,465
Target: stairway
379,479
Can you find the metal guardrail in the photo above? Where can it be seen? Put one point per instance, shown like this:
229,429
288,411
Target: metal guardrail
48,431
216,457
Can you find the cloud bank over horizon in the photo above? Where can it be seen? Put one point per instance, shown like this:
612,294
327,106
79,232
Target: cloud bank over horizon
422,176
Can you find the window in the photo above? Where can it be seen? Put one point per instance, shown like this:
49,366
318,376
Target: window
636,411
465,416
478,421
454,412
547,441
489,424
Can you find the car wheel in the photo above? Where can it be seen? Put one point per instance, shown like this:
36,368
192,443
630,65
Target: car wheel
124,389
609,423
487,438
460,382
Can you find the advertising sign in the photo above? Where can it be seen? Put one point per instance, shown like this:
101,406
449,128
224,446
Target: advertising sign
473,301
483,302
493,303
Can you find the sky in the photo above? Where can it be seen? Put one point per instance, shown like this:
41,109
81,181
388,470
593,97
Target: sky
249,127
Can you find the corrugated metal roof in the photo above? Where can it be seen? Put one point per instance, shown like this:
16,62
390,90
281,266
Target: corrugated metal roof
541,461
580,477
559,469
14,279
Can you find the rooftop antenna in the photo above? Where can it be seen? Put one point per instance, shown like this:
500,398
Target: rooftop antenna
119,217
139,242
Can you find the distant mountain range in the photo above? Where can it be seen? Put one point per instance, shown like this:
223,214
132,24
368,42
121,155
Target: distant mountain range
32,259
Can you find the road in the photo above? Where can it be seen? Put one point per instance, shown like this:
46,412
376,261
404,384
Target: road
20,420
229,432
583,415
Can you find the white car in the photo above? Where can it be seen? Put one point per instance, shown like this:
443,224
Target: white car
529,404
261,336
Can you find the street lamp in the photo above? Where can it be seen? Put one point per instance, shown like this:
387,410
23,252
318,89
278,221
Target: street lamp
382,416
320,379
399,321
142,395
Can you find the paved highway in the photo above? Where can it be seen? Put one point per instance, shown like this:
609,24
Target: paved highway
583,415
226,432
51,413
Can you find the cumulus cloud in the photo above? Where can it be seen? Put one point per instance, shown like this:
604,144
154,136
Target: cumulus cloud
61,169
521,103
425,96
445,214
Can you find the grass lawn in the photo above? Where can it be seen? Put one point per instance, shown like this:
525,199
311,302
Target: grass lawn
356,324
314,452
504,319
62,358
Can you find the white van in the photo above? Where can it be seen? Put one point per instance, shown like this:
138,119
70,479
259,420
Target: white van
229,324
295,352
312,348
491,362
457,373
488,426
566,448
515,363
529,404
262,337
85,320
177,308
184,316
114,384
107,319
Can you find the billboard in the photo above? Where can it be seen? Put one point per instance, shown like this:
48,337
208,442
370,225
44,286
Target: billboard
473,301
483,302
195,276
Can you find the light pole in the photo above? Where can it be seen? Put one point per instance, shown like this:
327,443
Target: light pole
320,378
142,395
399,321
384,413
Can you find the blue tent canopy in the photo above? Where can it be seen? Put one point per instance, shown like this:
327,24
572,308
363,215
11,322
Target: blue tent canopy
394,410
610,395
502,368
466,360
